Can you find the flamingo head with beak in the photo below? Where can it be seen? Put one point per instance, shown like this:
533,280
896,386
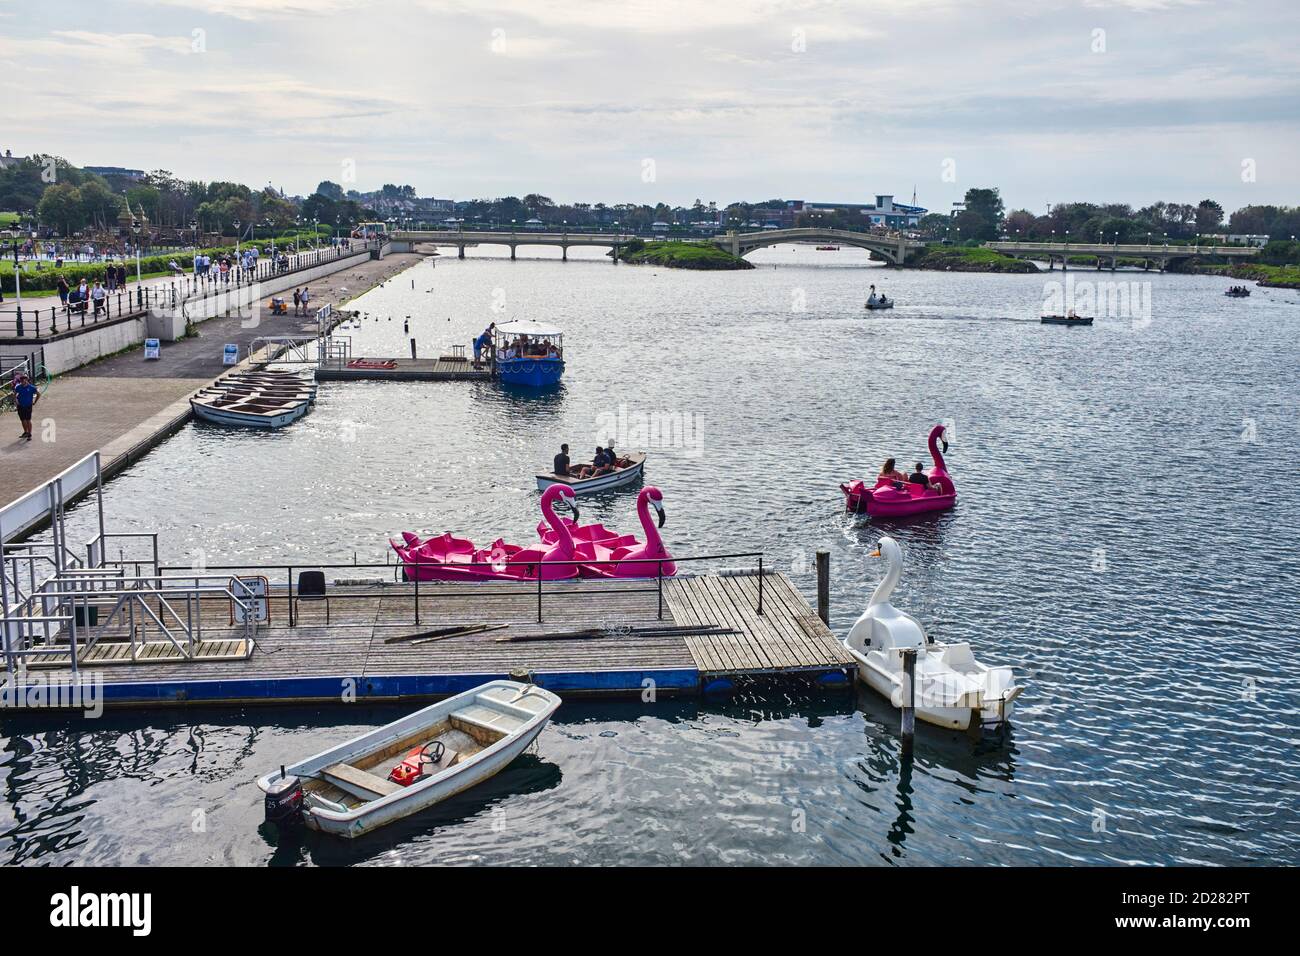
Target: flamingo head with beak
656,499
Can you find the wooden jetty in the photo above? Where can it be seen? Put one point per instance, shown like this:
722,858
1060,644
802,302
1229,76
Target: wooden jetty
697,634
442,369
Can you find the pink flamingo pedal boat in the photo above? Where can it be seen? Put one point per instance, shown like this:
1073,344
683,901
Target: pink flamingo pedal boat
621,556
899,499
447,558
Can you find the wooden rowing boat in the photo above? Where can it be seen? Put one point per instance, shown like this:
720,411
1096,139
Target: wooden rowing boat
349,790
617,478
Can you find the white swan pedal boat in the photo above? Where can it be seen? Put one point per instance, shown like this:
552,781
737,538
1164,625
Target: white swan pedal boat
435,753
620,476
952,688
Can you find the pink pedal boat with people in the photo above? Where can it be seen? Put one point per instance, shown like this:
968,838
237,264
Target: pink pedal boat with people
899,496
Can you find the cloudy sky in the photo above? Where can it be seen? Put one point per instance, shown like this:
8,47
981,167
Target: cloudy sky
1051,100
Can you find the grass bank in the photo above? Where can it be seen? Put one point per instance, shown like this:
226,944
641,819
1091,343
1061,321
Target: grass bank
967,259
1276,277
681,255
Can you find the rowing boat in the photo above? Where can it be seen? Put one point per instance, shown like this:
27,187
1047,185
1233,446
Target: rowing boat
411,764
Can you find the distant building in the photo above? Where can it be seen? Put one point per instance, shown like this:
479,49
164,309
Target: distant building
119,171
9,159
883,212
1240,239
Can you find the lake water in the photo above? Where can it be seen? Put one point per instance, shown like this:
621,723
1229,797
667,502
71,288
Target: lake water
1124,537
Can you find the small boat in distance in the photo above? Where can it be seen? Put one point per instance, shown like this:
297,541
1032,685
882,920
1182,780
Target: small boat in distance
878,301
630,467
828,248
528,353
1238,292
411,764
1070,319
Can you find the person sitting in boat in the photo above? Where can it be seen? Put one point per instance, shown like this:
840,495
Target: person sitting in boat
562,462
919,477
889,471
604,461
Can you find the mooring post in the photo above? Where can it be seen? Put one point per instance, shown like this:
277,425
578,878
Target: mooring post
824,585
908,728
412,348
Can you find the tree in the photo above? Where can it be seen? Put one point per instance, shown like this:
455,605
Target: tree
330,190
99,205
1209,215
61,208
982,218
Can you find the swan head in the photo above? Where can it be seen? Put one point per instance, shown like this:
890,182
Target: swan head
888,549
561,495
939,433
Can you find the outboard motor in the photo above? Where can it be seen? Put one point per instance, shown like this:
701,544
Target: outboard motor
284,801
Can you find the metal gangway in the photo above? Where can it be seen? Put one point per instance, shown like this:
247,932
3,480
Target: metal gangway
52,595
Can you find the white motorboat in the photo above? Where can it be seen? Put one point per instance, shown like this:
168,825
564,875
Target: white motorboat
952,688
630,468
411,764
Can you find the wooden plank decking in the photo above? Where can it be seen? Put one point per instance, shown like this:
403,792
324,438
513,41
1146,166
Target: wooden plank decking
316,661
407,370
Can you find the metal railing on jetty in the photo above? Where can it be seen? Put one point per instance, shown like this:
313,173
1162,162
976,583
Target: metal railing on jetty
409,589
178,292
57,600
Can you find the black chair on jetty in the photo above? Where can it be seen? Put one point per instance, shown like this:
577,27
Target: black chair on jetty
311,587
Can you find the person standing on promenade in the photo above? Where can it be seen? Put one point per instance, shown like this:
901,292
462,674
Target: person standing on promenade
26,395
297,301
63,293
98,295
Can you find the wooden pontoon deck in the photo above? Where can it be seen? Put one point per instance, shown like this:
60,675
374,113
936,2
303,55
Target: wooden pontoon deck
407,370
315,661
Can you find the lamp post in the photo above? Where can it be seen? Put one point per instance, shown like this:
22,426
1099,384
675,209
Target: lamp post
237,224
135,231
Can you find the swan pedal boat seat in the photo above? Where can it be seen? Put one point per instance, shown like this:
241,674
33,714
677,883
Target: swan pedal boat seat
953,689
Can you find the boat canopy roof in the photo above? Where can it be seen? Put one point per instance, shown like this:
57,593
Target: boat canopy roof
527,327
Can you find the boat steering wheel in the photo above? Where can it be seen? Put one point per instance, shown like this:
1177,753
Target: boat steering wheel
432,753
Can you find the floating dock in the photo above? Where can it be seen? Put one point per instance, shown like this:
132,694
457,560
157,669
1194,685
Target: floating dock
404,370
697,635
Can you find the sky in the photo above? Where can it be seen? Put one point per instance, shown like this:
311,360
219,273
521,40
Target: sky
672,100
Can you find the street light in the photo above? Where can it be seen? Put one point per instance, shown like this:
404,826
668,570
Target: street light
237,224
135,231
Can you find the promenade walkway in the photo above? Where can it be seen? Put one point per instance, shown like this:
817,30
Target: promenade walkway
121,405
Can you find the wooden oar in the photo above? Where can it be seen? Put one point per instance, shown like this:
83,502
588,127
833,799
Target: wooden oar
440,632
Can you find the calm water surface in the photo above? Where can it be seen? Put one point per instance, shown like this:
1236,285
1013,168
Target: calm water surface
1124,538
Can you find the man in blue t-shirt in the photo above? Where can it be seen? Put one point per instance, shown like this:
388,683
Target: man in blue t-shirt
26,395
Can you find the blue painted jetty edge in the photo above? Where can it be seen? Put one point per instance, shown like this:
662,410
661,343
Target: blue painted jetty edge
326,688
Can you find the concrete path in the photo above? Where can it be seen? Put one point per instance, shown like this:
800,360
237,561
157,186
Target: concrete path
123,405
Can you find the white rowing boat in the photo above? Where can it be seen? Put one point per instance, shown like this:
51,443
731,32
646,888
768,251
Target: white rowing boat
249,410
624,475
441,750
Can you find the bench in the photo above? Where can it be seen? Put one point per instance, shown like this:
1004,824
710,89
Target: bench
353,780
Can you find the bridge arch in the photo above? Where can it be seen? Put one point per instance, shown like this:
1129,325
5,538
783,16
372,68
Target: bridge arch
892,248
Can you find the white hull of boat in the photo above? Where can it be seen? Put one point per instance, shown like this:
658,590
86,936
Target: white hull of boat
518,711
615,479
221,416
969,708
